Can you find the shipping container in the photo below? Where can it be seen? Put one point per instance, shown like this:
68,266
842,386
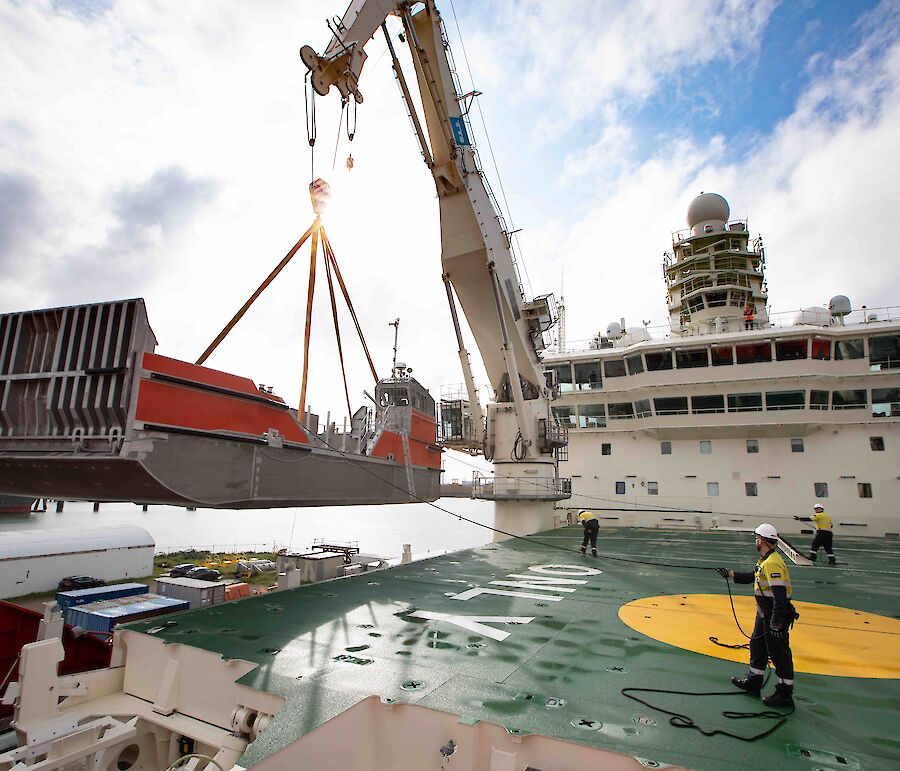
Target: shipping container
83,596
103,616
200,594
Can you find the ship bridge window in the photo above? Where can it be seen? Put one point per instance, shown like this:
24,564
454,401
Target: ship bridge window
705,447
864,489
642,408
884,352
876,443
565,416
754,353
711,403
671,405
614,368
849,349
621,410
591,416
563,376
686,358
620,488
695,304
712,489
797,445
789,350
745,402
750,489
821,349
658,360
587,376
635,364
606,448
722,354
753,446
886,402
716,299
665,448
785,400
820,489
818,400
848,400
652,488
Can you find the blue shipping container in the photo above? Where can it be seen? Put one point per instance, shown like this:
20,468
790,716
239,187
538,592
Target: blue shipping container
83,596
103,616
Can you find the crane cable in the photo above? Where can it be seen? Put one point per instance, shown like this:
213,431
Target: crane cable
309,103
337,331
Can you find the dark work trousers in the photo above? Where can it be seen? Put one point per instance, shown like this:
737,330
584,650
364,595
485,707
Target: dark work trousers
590,533
822,539
764,647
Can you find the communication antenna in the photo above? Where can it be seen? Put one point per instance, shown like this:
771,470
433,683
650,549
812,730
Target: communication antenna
562,312
396,325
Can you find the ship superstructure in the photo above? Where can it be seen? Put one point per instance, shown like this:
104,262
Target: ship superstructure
732,418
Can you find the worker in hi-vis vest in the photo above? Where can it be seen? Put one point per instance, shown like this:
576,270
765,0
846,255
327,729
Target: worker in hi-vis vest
824,533
591,526
775,616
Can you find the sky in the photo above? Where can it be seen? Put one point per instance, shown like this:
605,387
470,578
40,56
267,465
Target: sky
160,150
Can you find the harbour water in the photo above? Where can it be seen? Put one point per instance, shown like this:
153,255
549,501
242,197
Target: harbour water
379,530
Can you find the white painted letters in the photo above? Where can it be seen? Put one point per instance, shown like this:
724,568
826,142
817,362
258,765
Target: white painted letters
476,624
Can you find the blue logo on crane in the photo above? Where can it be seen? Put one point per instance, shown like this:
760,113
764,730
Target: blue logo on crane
460,135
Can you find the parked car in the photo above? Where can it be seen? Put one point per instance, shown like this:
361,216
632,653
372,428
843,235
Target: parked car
182,569
79,582
203,574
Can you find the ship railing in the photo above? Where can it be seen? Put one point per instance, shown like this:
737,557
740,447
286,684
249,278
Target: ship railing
520,488
863,316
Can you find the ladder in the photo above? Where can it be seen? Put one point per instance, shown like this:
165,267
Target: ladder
410,483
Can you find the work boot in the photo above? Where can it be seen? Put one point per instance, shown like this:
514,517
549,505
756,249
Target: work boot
782,696
584,549
812,556
593,552
832,560
751,683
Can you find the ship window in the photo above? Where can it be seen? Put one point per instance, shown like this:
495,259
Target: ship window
849,349
621,410
876,443
820,489
685,358
711,403
785,400
705,447
665,448
642,408
591,416
818,400
606,448
789,350
652,488
885,352
658,360
563,376
565,416
886,402
722,354
671,405
745,402
848,400
752,446
821,349
695,303
614,368
620,488
751,354
797,445
712,489
864,489
750,489
635,364
587,376
716,299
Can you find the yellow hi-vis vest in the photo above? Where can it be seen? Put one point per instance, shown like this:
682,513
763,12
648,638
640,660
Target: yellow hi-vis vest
771,571
586,516
821,520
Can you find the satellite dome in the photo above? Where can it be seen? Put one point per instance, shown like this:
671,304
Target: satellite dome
614,329
707,207
839,305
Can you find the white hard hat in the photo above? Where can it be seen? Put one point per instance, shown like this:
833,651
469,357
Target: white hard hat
818,507
767,531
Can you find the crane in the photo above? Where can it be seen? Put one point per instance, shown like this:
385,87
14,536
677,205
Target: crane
519,432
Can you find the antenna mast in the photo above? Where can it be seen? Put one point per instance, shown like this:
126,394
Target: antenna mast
396,325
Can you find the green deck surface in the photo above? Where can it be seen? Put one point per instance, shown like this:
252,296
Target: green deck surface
575,651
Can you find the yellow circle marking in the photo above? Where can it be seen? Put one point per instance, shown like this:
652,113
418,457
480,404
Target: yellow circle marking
826,639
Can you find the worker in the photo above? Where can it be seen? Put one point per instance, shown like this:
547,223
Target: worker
591,525
749,316
775,616
824,533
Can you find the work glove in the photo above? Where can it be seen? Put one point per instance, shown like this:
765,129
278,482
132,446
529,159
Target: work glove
796,517
778,632
722,572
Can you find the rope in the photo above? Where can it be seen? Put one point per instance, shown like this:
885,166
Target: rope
337,139
337,331
314,249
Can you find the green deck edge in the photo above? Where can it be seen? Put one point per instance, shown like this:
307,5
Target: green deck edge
576,650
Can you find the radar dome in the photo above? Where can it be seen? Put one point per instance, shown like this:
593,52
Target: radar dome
614,329
839,305
707,207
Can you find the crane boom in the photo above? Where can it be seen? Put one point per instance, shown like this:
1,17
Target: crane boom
476,254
